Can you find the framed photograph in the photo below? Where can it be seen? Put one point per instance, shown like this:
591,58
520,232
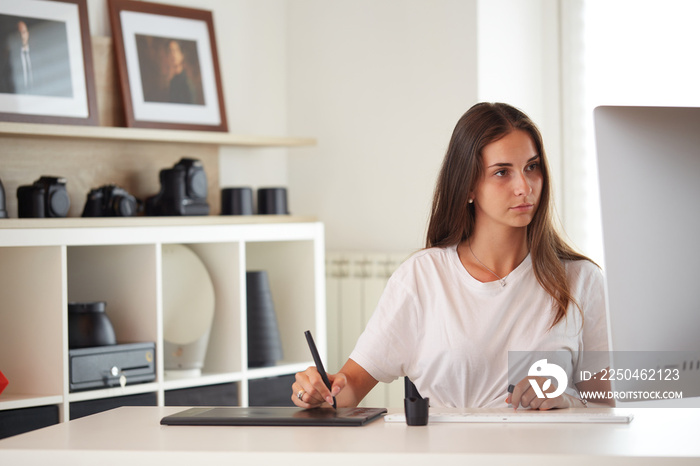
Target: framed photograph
46,70
168,66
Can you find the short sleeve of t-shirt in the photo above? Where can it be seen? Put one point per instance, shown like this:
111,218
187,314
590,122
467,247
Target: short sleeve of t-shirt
390,332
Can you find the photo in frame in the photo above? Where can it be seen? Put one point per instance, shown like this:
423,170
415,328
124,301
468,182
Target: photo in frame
46,67
168,66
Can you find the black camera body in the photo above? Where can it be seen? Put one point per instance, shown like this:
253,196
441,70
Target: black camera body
3,207
110,201
183,191
46,197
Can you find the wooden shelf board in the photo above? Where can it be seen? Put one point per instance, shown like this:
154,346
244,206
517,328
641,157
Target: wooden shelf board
34,130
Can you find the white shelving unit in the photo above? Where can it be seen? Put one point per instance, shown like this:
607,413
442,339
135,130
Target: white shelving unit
46,263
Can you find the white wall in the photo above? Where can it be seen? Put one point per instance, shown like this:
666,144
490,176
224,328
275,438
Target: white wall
381,85
519,63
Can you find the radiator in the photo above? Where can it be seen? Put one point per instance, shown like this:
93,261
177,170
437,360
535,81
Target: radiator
354,283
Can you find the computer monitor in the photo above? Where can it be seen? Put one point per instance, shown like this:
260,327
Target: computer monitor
649,174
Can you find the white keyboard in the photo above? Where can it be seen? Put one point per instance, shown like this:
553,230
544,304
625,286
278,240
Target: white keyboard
523,416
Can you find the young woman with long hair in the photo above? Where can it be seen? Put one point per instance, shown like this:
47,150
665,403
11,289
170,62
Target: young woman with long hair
495,280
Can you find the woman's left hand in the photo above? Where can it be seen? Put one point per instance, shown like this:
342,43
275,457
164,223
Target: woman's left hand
524,395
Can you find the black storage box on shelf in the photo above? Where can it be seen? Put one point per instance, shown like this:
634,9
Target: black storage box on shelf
104,366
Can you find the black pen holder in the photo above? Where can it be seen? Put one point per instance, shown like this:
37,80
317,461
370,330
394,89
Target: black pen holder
416,410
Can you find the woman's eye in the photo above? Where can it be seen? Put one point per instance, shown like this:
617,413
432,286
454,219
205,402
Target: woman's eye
501,173
533,166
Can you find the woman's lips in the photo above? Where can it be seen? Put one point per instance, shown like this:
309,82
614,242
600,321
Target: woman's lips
522,207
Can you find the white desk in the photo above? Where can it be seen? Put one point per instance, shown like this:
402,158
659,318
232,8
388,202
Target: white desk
133,436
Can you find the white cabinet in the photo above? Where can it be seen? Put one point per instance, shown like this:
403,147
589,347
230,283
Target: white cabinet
47,263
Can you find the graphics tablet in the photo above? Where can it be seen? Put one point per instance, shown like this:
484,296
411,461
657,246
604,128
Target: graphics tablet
273,416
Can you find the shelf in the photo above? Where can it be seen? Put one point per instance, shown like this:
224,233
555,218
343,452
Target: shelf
203,380
18,401
107,133
111,222
112,392
139,230
280,369
47,263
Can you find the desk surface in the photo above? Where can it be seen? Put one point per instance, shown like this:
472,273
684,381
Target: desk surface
133,435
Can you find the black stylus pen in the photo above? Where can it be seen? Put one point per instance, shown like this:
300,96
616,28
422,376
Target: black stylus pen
317,361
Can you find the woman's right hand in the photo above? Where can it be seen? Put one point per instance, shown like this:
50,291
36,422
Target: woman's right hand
309,391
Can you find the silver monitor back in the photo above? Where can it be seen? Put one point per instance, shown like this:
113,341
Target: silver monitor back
649,173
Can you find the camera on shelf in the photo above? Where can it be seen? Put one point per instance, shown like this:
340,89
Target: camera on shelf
110,201
46,197
3,211
183,190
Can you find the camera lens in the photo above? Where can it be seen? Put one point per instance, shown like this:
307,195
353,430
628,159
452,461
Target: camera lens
59,203
124,206
198,184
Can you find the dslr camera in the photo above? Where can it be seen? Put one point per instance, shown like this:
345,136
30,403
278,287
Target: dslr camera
183,190
110,201
46,197
3,211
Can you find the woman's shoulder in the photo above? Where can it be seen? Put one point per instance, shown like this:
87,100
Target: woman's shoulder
430,256
583,269
425,261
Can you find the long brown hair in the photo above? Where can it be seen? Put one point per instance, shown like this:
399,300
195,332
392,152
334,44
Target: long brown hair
452,217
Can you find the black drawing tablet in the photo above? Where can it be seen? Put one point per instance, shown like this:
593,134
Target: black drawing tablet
273,416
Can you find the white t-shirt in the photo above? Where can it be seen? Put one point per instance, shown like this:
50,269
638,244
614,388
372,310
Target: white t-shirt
451,334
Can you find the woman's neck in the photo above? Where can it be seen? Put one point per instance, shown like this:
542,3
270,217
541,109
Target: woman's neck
487,254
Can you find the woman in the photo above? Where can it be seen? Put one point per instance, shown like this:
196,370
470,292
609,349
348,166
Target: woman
179,87
495,277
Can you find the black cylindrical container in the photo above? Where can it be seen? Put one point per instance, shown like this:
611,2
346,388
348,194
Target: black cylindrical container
237,201
417,410
272,201
88,325
264,343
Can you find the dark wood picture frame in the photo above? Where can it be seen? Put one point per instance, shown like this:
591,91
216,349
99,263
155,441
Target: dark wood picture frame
57,85
168,66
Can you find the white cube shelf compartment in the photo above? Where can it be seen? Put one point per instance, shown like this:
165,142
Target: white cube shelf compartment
47,263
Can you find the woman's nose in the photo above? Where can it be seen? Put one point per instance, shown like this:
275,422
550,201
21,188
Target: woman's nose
522,185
